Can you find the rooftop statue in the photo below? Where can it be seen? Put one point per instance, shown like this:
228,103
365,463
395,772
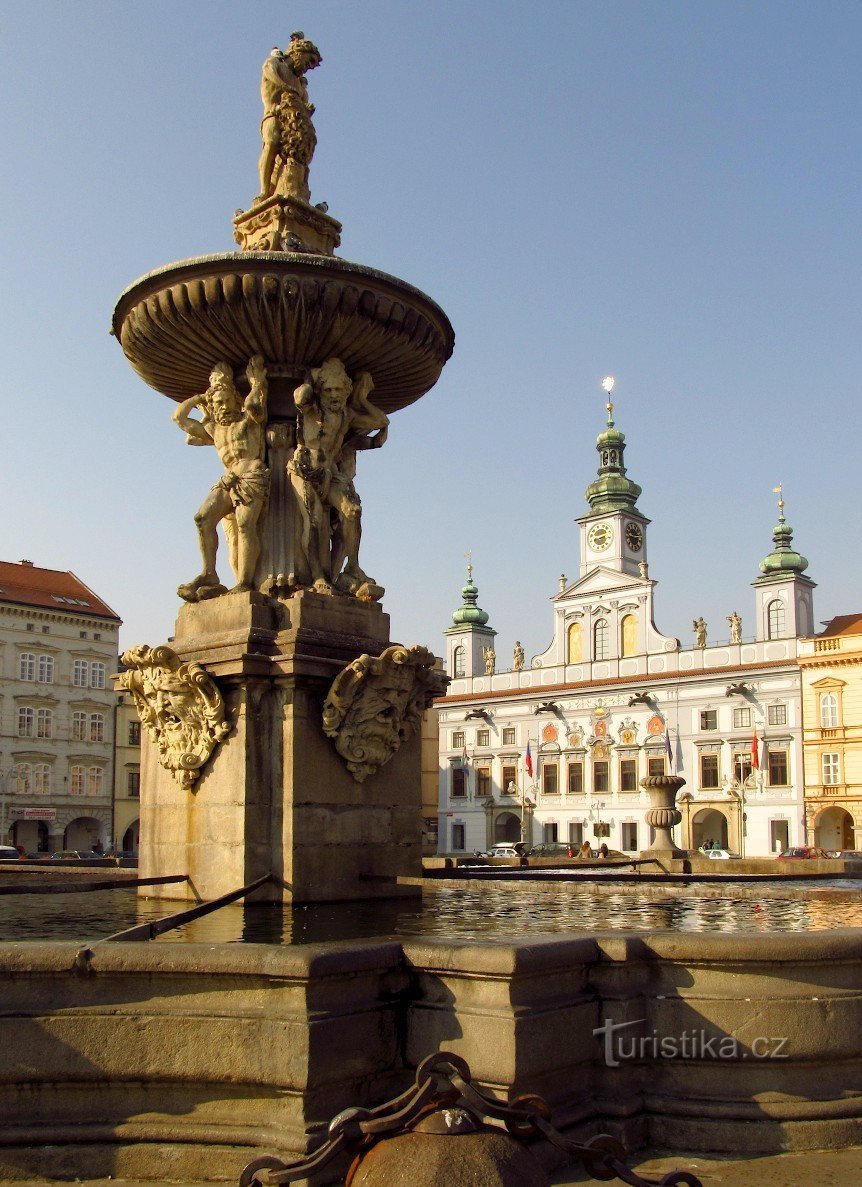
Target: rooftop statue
236,428
288,134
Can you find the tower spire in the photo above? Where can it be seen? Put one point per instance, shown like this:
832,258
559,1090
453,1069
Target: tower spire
783,559
611,491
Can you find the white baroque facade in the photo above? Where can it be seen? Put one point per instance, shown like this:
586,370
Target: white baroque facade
58,647
612,700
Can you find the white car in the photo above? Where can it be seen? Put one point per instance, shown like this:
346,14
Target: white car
504,851
720,855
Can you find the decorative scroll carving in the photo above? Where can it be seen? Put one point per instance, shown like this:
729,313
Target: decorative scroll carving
376,703
179,705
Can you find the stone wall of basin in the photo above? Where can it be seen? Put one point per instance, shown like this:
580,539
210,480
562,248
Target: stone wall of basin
184,1061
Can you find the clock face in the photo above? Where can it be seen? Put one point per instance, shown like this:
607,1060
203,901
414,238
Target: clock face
600,537
634,537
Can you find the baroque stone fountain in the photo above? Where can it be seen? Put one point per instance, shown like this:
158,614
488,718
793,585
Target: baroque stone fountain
282,723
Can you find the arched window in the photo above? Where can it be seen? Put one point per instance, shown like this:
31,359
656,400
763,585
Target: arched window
629,635
27,666
828,711
46,669
97,727
79,725
601,640
575,644
775,616
459,668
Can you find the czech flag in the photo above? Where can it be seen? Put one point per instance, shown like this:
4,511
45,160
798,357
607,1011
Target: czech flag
528,760
465,761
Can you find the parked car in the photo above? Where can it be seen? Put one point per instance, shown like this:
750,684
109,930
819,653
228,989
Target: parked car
720,855
74,855
9,853
814,852
846,854
506,850
552,849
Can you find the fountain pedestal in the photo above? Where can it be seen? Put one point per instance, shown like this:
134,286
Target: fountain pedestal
275,796
663,815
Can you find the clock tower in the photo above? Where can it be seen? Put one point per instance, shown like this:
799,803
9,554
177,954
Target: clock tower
613,533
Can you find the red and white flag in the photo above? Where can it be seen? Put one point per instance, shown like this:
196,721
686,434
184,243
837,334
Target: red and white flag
528,760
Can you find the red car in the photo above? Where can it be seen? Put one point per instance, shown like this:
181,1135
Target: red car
810,851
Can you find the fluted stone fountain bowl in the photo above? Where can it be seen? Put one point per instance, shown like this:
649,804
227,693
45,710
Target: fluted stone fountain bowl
296,310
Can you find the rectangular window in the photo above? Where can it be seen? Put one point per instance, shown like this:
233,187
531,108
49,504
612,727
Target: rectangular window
41,779
576,833
46,669
600,776
483,780
509,736
550,779
776,714
458,740
742,765
550,832
709,770
97,675
79,726
779,835
777,765
76,781
709,720
576,778
97,727
134,733
95,780
27,666
509,780
46,630
829,767
628,774
458,837
459,781
44,723
31,626
483,737
741,718
655,766
629,843
133,784
80,673
26,721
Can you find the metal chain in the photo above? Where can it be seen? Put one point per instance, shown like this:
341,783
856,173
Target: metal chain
441,1080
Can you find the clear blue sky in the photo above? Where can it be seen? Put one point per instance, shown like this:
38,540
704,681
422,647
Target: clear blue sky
669,192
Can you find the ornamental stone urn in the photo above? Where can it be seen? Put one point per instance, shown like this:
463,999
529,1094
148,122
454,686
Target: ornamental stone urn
663,814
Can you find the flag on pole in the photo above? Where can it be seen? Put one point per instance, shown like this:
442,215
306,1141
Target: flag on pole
528,761
464,757
755,754
668,749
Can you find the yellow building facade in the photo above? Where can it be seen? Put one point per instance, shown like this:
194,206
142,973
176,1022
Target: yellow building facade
831,669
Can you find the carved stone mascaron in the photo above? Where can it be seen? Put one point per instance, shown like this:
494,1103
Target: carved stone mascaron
376,703
179,705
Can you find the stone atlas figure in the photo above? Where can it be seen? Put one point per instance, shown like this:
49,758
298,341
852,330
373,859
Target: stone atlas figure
334,420
236,428
288,134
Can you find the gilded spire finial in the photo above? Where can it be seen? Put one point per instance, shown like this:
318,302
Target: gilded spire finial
777,490
468,556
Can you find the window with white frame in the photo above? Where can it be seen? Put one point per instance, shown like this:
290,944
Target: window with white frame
97,727
23,778
601,640
41,779
44,723
79,726
550,832
458,740
483,737
46,669
26,721
741,718
509,736
27,666
95,780
459,665
709,719
97,674
775,619
80,673
76,780
828,711
829,769
509,779
776,714
778,767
